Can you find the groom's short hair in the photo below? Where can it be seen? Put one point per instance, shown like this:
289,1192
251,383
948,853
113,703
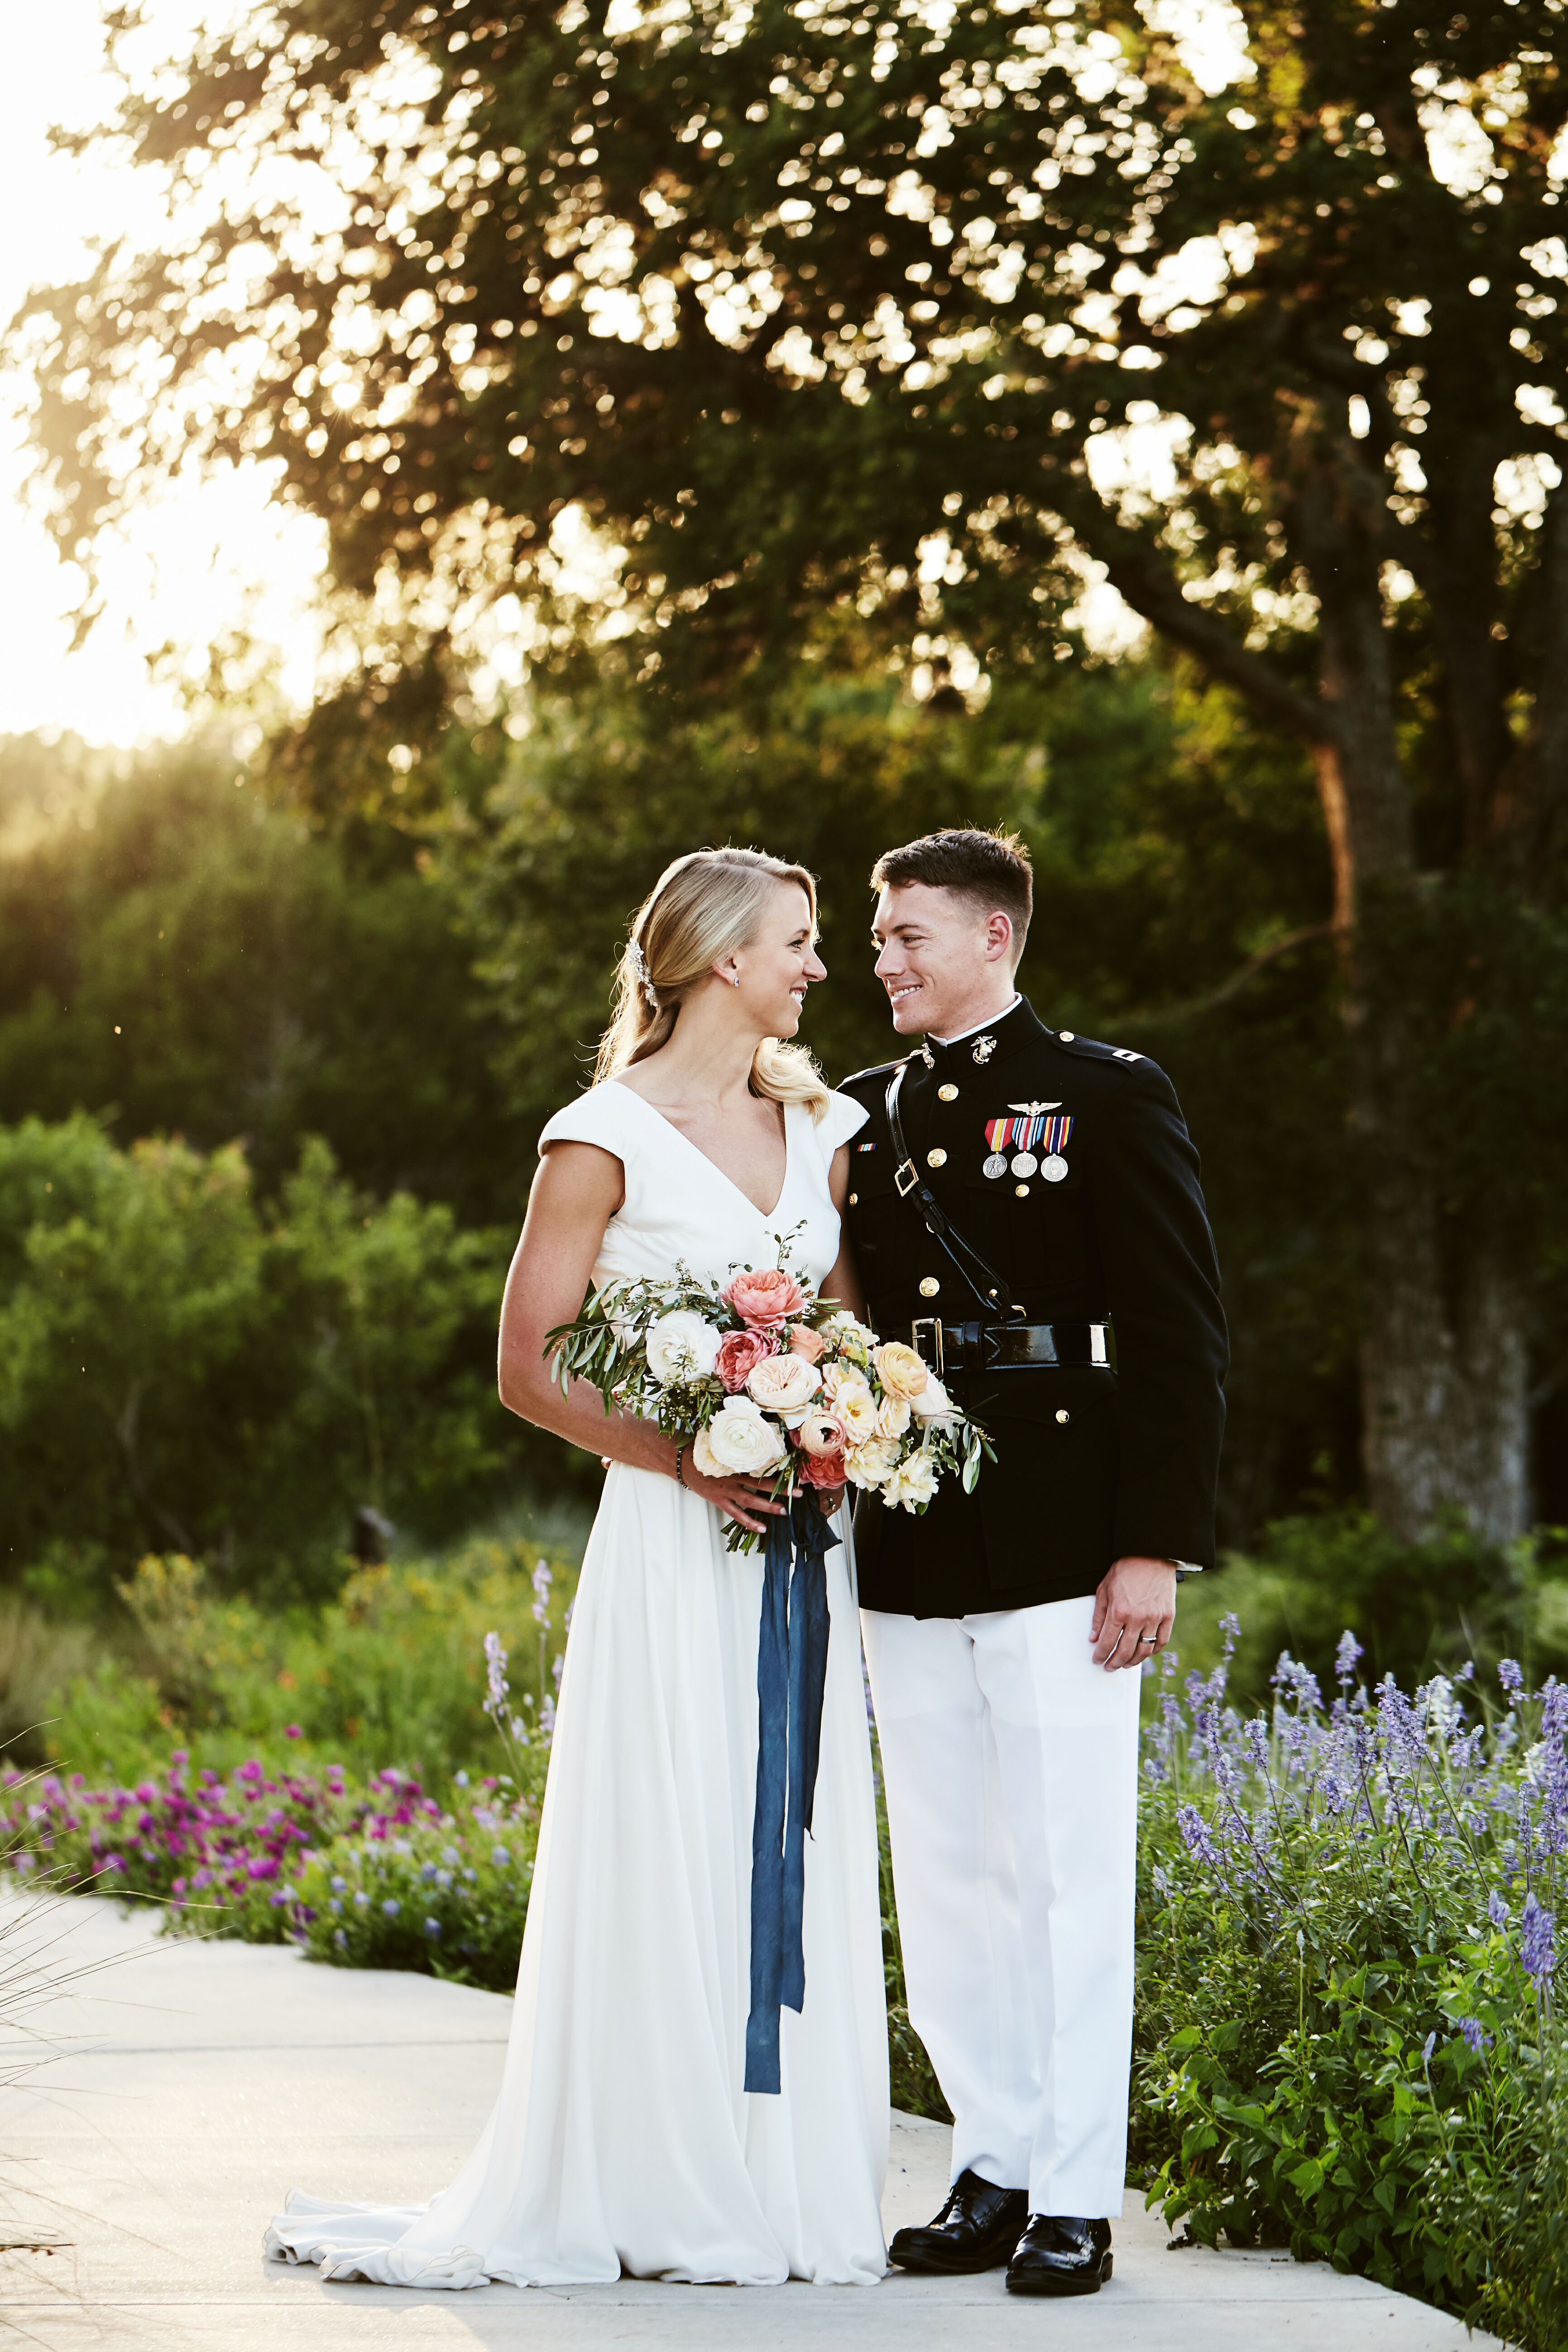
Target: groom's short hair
991,869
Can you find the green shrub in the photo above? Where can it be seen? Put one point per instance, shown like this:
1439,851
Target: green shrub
186,1368
391,1672
1346,2040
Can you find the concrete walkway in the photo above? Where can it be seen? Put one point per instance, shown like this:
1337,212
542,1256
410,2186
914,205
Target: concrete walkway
184,2089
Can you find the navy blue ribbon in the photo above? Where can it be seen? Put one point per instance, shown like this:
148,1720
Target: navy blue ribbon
792,1676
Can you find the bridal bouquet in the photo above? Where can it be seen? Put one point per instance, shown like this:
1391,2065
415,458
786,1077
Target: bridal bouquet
767,1378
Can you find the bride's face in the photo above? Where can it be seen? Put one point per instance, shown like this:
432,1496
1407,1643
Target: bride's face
775,967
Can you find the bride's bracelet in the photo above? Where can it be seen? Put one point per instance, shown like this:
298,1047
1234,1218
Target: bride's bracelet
679,1458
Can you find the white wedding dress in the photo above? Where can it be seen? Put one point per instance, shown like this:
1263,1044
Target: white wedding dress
623,2140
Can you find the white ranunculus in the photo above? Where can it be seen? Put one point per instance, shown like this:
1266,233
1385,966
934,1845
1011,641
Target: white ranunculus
911,1484
681,1346
740,1437
933,1403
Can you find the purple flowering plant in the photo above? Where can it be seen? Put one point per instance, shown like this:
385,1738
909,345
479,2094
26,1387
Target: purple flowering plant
1348,2035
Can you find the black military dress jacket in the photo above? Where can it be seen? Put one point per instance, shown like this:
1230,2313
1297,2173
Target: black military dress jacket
1093,1465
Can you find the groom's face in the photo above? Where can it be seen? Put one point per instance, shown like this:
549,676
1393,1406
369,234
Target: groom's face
936,948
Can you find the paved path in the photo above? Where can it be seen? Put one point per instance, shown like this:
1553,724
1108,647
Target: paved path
192,2085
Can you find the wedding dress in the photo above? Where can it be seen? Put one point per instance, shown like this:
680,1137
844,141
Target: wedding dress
623,2140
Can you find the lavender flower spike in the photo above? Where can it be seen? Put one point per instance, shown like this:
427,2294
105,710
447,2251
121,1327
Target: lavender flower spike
1475,2035
1537,1940
1511,1676
542,1581
495,1660
1498,1911
1195,1836
1346,1658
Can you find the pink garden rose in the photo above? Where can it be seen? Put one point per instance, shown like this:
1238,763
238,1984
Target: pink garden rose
809,1343
766,1298
740,1353
820,1432
822,1469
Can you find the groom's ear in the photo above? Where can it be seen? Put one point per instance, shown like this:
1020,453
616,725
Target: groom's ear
1001,946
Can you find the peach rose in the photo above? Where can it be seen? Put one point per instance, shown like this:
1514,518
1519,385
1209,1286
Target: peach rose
764,1299
820,1432
783,1384
901,1371
823,1469
805,1341
740,1353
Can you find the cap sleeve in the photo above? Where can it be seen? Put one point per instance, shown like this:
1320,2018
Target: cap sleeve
843,1118
602,1116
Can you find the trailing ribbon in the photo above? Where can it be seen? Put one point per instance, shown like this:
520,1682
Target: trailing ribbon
792,1675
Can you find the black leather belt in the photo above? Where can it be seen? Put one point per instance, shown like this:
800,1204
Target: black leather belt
955,1348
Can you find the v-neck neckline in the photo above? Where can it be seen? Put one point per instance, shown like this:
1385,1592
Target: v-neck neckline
768,1215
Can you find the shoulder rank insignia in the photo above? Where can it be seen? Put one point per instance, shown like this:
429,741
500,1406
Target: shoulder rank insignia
983,1049
1027,1133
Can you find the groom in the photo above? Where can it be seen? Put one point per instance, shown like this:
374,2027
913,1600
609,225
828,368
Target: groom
1024,1204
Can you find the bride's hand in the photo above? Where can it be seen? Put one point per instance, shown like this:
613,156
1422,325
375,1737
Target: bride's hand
749,1501
830,1498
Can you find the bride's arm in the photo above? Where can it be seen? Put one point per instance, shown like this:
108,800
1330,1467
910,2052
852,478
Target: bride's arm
575,1194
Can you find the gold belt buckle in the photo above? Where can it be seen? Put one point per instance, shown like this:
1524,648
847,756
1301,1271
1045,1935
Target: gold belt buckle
931,1323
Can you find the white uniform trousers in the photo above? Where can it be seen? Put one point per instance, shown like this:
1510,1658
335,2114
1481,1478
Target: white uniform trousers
1011,1768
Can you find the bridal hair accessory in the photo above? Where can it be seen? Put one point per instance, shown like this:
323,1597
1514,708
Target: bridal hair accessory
645,981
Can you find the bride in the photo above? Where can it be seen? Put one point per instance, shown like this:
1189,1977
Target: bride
623,2140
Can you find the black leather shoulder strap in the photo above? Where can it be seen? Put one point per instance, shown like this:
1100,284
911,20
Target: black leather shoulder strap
995,1298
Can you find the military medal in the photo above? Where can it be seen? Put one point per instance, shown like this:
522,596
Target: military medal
1030,1131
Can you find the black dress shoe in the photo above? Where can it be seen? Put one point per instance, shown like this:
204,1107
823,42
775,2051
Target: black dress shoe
1059,2254
977,2229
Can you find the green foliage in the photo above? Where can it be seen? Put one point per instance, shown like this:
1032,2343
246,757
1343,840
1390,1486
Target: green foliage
184,958
447,1897
390,1672
181,1365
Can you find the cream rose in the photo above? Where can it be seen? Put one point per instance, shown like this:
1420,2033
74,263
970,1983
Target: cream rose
933,1403
853,1402
681,1346
902,1372
892,1417
912,1483
738,1438
784,1384
871,1463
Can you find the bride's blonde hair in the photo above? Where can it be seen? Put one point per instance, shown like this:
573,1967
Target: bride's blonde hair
703,906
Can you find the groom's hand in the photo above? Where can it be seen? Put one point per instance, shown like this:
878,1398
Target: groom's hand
1134,1610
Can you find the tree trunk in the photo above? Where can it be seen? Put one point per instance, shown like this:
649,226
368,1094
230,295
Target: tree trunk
1444,1388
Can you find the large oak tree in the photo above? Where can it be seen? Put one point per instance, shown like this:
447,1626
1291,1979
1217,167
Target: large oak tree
926,308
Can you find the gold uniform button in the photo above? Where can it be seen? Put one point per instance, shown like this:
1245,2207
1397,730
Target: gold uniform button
937,1158
1021,1191
929,1285
854,1197
1064,1415
947,1094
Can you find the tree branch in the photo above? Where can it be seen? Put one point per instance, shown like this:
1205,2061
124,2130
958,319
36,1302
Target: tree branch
1170,1016
1154,590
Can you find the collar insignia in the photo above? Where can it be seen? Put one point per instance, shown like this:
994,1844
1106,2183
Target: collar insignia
983,1049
